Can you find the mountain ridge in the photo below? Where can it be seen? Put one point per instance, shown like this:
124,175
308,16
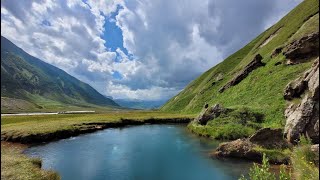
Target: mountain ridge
262,90
29,78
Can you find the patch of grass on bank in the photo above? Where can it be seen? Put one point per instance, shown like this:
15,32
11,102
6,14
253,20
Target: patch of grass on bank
15,165
275,155
238,123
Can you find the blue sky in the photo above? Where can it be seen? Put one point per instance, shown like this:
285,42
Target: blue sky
137,49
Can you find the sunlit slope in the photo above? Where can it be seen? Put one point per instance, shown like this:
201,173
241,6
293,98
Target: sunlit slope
263,89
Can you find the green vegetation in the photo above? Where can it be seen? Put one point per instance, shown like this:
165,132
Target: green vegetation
15,165
310,26
262,90
262,172
24,77
305,162
21,126
275,155
236,123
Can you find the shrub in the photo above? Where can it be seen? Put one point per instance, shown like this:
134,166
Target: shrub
262,172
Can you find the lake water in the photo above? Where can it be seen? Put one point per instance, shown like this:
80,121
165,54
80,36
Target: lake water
148,152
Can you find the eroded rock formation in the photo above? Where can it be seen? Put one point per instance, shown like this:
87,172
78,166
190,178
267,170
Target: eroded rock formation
302,49
303,118
254,64
210,113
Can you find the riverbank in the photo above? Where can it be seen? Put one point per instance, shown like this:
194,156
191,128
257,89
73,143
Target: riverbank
15,165
46,128
18,132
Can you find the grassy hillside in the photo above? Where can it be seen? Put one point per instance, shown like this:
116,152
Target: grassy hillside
24,77
262,90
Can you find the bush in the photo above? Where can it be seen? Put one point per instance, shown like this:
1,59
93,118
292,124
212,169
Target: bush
262,172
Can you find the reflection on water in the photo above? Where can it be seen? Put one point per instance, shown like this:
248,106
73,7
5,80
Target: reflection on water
147,152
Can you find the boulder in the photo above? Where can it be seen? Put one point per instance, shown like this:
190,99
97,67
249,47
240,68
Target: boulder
254,64
302,49
245,149
276,52
269,138
303,118
210,113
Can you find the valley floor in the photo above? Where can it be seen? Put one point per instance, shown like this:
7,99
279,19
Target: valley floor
49,127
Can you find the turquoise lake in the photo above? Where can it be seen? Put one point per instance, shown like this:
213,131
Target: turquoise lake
147,152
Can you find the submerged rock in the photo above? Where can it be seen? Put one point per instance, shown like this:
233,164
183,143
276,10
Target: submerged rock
254,64
302,49
304,117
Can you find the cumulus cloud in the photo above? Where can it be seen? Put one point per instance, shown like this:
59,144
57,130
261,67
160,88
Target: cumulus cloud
169,43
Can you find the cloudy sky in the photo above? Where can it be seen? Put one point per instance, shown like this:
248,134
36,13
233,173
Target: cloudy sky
137,49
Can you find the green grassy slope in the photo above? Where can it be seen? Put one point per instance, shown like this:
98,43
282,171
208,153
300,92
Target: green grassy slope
262,90
28,78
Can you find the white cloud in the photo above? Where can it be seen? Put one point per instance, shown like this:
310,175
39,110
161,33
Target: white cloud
170,42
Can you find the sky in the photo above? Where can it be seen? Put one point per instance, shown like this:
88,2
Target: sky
137,49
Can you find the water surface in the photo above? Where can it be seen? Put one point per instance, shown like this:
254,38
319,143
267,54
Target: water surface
148,152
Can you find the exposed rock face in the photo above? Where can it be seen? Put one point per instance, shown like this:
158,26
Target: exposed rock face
303,48
269,138
210,113
254,64
304,117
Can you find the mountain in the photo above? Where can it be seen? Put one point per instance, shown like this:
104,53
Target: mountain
255,76
29,83
139,104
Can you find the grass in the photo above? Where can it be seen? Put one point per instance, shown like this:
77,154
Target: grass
304,161
13,126
15,165
263,89
263,172
275,155
235,123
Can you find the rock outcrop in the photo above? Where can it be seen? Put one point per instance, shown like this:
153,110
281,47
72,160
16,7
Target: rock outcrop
254,64
302,49
248,148
276,52
303,118
210,113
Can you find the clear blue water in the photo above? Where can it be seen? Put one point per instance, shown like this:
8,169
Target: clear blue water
148,152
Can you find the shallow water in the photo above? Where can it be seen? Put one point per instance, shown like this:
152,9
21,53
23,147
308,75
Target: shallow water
148,152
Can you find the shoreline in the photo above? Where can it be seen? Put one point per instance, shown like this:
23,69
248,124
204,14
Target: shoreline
31,139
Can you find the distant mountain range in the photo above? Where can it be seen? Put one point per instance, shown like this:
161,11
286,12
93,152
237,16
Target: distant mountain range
29,83
140,104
